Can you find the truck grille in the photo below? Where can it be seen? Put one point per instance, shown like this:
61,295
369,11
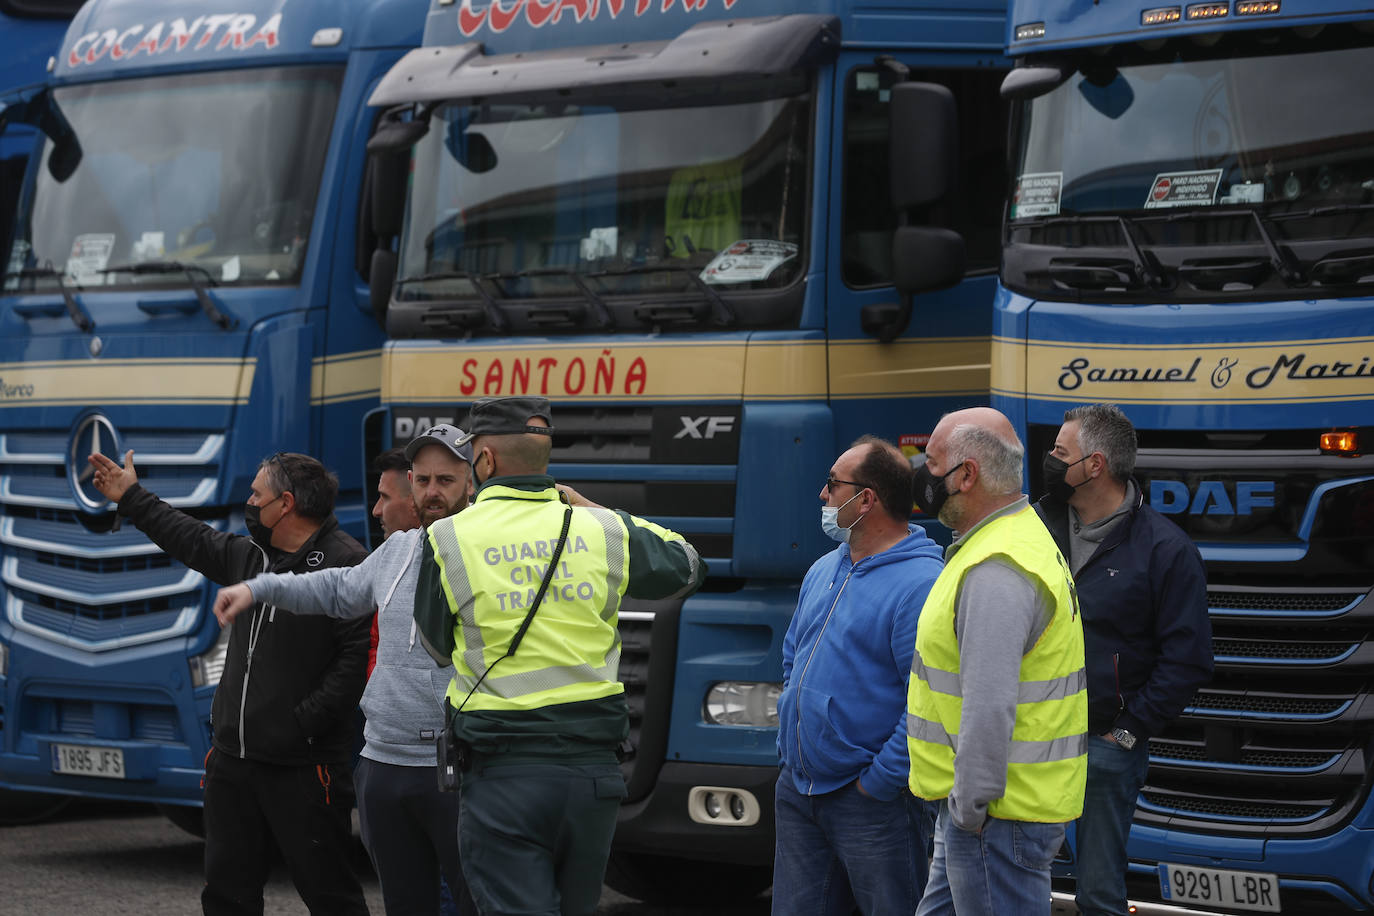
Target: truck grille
1275,745
653,462
90,589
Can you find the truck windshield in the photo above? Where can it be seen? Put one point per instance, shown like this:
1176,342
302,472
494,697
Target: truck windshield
1264,147
210,176
533,201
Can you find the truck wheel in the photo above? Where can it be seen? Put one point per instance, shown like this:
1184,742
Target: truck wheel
29,807
656,879
188,818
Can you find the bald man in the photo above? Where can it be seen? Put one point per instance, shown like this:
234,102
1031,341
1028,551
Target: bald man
997,710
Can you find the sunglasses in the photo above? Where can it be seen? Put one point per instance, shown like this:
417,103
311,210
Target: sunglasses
830,483
290,481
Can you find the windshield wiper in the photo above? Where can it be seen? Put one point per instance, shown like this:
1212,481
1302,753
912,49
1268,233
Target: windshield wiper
495,317
722,313
79,316
1095,273
601,314
223,319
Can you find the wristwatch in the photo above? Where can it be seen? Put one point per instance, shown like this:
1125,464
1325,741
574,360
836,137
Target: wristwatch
1123,738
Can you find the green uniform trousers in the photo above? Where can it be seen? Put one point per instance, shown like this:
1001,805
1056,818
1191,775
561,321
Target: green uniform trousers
534,837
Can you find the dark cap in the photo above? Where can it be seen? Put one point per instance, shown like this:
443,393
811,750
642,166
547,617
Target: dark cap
451,437
508,417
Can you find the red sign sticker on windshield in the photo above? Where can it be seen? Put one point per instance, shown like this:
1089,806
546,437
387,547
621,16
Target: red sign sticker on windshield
1184,189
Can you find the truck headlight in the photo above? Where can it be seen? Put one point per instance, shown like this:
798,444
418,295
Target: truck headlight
207,669
752,703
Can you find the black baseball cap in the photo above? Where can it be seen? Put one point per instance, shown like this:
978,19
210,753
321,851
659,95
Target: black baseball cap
451,437
508,417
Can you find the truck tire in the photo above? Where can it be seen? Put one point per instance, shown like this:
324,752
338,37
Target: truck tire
29,807
187,817
657,879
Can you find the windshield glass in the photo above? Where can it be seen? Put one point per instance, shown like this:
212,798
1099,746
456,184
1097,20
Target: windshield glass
216,173
538,201
1283,131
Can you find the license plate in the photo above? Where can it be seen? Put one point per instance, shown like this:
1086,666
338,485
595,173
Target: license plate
1244,890
88,760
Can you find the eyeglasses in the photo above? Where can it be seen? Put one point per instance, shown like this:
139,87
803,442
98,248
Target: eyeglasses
831,481
290,482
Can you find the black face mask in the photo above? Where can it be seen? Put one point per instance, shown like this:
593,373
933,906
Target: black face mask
1054,471
252,517
928,491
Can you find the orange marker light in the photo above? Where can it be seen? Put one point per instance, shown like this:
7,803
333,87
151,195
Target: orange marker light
1344,442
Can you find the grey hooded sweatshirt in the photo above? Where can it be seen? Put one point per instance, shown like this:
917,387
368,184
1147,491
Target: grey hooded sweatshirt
404,698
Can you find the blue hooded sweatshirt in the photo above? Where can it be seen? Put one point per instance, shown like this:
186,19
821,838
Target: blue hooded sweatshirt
845,664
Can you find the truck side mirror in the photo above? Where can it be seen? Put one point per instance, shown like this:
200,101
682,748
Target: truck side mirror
390,171
381,278
923,144
923,155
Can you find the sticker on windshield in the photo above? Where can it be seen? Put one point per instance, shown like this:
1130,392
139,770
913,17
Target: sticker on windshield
1036,194
1184,189
90,254
748,260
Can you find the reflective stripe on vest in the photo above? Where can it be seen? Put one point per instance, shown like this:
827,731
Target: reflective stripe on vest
572,649
1047,763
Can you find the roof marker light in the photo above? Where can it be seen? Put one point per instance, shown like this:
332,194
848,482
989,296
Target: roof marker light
1161,15
1208,10
326,38
1257,7
1030,30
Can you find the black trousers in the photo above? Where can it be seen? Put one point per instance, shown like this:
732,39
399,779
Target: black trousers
305,810
410,830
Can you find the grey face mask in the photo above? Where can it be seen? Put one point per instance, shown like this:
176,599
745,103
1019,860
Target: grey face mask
830,521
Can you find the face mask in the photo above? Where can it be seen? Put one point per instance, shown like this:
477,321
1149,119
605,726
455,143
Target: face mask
830,521
252,517
928,491
1057,489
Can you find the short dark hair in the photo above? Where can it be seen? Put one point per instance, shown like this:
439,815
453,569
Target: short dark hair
393,459
888,472
1105,428
311,483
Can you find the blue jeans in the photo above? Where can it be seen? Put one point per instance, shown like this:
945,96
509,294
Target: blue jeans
1115,776
844,849
1005,869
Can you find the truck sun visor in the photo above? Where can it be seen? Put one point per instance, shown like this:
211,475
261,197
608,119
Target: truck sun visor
713,51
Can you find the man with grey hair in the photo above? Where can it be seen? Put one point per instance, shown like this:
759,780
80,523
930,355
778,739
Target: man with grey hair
996,708
1143,590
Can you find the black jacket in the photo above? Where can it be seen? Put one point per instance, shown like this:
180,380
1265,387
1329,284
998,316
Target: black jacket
1147,638
294,702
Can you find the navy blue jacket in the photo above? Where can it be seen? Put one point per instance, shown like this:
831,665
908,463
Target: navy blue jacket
1146,634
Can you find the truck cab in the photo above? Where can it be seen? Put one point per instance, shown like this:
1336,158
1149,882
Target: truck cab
725,239
1205,263
183,281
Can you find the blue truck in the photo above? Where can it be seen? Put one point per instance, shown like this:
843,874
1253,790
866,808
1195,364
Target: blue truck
725,238
184,280
1190,234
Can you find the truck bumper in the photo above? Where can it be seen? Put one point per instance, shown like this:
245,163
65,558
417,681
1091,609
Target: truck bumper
140,703
661,823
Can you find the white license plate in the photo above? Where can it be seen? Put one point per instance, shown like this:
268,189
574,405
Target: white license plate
88,760
1244,890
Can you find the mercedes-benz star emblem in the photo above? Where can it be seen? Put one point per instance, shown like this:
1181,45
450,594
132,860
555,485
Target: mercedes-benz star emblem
94,433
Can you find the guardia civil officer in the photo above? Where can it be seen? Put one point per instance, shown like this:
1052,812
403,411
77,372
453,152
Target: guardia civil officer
521,592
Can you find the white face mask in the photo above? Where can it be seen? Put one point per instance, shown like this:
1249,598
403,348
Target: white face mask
830,521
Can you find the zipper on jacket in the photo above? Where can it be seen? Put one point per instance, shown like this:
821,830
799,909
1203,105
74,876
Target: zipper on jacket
253,630
814,646
1116,673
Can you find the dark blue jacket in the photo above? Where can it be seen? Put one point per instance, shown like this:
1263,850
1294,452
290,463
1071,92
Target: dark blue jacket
845,663
1146,634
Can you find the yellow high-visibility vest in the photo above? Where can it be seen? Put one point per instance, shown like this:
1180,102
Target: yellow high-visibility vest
492,558
1047,767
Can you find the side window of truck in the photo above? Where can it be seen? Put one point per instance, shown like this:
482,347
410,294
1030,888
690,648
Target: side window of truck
974,209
